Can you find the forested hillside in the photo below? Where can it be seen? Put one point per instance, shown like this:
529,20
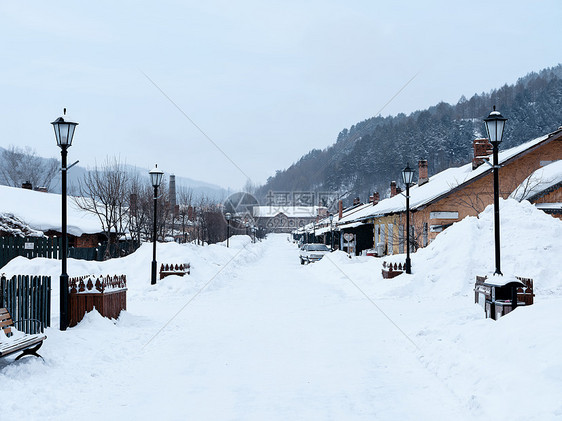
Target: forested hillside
368,155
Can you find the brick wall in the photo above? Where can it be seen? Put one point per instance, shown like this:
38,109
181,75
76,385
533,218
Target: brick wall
87,240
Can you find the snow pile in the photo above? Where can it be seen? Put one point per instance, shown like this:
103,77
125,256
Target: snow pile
205,263
485,364
530,244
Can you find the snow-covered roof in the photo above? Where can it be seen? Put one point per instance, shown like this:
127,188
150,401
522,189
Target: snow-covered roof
439,185
549,206
539,181
13,226
291,211
42,211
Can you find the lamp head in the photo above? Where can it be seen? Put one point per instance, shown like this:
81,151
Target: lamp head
156,176
64,130
495,123
407,175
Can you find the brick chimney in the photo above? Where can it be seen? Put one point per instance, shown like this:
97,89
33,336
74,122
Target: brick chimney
422,172
340,209
393,191
356,201
376,198
482,150
26,185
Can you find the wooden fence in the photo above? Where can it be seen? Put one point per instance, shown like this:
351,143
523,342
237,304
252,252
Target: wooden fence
29,247
50,248
27,297
391,270
108,295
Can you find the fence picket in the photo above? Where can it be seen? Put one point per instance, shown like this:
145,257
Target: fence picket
27,297
11,247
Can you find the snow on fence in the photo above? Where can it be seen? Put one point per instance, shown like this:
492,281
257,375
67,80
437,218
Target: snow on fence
107,294
390,270
181,269
28,300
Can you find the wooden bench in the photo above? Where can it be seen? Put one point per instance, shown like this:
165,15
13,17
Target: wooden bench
28,344
180,270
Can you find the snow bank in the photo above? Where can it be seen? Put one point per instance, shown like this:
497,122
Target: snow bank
486,365
530,244
205,262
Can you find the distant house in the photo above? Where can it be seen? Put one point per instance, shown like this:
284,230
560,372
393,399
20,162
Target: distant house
323,229
286,218
451,195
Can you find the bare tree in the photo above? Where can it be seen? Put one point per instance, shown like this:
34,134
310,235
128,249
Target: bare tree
19,165
472,200
139,211
103,192
530,185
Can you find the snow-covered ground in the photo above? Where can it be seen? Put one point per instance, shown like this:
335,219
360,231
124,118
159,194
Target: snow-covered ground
253,335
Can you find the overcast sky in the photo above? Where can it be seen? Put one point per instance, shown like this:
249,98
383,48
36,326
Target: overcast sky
264,81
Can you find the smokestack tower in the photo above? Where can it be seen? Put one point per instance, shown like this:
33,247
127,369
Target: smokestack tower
173,190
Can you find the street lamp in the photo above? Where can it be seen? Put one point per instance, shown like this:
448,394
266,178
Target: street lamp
314,231
495,124
155,178
64,132
331,232
407,177
227,216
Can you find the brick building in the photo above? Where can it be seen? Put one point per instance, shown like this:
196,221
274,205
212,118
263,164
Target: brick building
455,193
286,218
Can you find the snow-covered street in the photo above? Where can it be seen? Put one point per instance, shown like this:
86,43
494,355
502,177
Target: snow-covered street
252,334
279,342
267,339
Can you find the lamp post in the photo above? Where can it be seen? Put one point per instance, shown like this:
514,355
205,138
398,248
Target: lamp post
495,124
227,216
313,231
407,177
331,233
64,132
155,179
